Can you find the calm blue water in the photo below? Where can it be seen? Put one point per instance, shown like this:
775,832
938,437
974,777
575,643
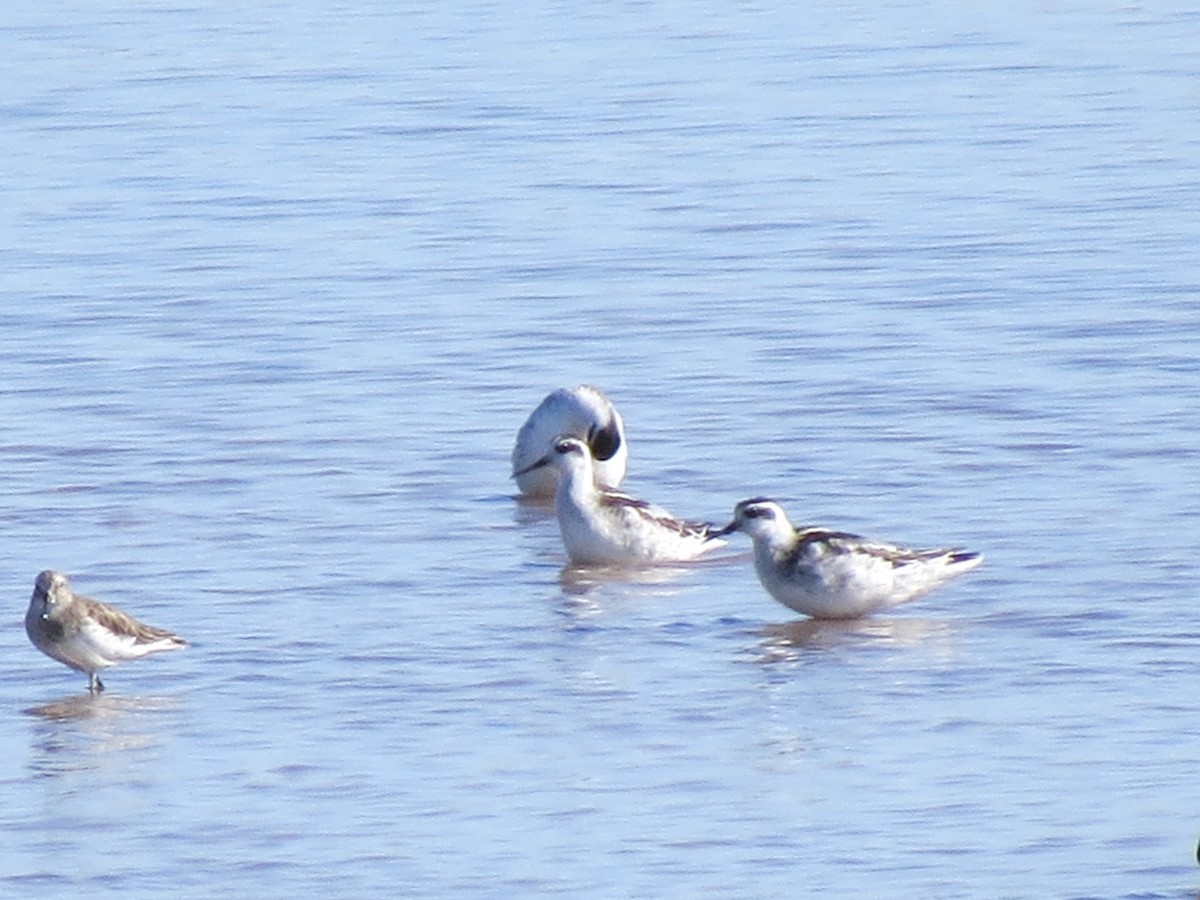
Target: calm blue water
280,284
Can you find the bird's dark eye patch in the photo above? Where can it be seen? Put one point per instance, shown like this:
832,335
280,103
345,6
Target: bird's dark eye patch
605,442
760,512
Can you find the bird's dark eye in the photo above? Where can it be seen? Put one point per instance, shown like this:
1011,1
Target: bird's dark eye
760,512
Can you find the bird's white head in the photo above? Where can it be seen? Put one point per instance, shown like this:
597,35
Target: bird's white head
760,518
583,412
568,455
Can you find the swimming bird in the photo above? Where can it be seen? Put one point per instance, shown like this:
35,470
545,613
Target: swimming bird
834,575
85,634
605,527
583,412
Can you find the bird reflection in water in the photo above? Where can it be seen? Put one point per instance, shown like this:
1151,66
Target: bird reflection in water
85,731
579,581
789,641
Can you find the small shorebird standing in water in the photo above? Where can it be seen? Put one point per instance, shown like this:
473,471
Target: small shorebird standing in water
604,527
834,575
583,412
85,634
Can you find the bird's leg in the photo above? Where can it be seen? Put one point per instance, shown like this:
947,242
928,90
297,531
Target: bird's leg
95,685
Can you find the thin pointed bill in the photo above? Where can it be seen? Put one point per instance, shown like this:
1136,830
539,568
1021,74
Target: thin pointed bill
537,464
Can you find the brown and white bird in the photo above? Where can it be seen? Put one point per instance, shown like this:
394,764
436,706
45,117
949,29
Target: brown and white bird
603,527
834,575
85,634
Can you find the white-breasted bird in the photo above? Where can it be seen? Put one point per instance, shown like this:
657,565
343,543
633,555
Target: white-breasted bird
85,634
605,527
834,575
583,412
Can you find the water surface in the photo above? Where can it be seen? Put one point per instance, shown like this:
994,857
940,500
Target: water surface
280,286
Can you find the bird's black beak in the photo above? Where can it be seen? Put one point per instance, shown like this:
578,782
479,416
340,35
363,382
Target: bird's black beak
728,529
536,464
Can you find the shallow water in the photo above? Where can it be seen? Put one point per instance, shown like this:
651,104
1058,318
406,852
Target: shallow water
280,286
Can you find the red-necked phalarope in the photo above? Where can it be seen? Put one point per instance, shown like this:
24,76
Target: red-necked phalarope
582,412
85,634
604,527
833,575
